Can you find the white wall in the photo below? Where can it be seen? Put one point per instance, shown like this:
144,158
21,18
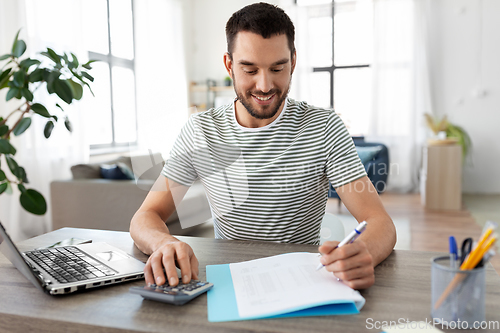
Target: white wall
465,60
208,37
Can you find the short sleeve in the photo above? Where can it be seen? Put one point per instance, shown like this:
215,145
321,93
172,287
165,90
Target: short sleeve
179,166
342,161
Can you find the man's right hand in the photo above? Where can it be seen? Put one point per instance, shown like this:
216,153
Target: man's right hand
170,254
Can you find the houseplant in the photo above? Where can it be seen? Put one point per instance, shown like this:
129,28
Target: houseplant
447,132
59,74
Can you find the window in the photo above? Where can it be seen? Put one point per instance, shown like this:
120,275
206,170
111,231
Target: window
109,37
340,49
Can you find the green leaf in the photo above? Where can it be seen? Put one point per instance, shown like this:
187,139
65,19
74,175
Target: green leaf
27,94
21,174
21,188
4,77
19,48
19,77
9,189
3,187
60,107
76,89
5,146
33,202
63,89
54,117
12,93
41,110
36,75
3,129
2,176
5,56
68,125
66,59
88,76
28,62
13,166
75,60
22,126
49,126
15,40
54,56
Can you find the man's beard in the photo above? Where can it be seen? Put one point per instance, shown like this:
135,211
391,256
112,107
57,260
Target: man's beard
268,111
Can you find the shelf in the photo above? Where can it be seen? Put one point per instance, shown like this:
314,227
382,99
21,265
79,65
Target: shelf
204,88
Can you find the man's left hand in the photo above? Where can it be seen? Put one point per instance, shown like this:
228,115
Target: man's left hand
352,263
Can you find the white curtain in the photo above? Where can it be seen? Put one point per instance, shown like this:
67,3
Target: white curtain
51,23
162,101
400,83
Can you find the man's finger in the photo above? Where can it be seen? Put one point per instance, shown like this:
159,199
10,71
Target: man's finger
358,260
194,267
148,273
182,256
157,267
169,265
355,273
327,247
340,253
362,283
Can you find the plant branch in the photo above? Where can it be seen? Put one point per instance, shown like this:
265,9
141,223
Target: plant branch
28,108
18,109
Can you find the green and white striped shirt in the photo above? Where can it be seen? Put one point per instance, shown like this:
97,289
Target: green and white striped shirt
268,183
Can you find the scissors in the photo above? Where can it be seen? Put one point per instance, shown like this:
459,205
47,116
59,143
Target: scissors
466,249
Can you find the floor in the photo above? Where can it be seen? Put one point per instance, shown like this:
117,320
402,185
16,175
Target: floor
429,230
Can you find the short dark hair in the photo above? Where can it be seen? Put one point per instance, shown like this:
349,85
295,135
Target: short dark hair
260,18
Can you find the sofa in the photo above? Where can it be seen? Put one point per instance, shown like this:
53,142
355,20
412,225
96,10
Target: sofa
375,159
103,196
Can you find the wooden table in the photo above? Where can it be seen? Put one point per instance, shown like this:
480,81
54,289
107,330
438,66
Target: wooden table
401,292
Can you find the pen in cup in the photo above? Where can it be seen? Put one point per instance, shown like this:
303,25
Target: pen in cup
349,239
453,252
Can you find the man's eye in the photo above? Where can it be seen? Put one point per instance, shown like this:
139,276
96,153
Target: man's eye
277,70
250,72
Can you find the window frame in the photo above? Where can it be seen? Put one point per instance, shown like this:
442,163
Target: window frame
331,69
114,61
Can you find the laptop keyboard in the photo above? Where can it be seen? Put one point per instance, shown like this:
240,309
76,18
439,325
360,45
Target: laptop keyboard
69,264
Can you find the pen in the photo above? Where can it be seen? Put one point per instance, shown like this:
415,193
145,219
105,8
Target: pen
349,239
453,252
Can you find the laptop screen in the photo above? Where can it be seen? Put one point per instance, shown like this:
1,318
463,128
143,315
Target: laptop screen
8,248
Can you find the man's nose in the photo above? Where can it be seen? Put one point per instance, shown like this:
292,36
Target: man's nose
264,82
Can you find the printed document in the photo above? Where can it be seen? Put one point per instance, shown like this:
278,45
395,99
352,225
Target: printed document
287,282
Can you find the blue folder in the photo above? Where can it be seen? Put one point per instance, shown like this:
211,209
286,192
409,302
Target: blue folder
222,301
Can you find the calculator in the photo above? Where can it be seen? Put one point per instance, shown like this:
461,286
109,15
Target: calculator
178,295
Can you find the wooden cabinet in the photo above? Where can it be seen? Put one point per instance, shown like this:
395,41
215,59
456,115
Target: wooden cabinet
441,177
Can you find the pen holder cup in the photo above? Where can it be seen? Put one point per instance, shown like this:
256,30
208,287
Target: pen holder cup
457,296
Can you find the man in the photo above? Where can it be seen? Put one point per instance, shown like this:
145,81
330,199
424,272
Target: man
274,187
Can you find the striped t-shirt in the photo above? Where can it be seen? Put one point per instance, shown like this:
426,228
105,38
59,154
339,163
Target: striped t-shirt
268,183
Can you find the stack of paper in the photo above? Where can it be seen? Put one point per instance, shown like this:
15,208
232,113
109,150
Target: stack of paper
286,285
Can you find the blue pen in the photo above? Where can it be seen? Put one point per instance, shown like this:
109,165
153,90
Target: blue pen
349,239
453,252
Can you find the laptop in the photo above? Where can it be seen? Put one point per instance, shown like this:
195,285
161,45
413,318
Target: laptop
66,269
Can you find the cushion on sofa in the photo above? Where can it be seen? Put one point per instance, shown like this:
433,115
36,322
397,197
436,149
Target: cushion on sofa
93,170
86,171
118,171
366,154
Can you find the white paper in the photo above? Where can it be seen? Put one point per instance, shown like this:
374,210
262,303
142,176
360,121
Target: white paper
285,283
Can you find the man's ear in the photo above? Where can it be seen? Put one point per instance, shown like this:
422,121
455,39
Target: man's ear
228,63
294,61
